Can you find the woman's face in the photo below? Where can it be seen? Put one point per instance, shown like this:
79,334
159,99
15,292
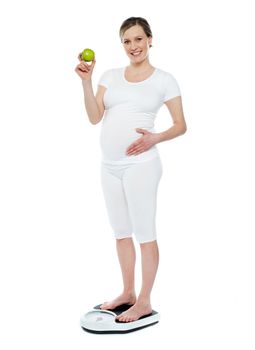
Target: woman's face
136,43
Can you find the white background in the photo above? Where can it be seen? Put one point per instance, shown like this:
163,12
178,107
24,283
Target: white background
57,253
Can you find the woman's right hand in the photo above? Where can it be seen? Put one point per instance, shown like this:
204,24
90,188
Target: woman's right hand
83,69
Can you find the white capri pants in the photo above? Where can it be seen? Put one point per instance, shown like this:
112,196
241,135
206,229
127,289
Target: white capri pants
130,193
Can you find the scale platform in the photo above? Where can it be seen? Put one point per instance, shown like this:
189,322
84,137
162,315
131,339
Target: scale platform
103,321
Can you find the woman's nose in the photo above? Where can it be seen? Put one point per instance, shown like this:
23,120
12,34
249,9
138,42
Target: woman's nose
133,45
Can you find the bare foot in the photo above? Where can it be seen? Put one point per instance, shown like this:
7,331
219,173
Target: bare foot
122,299
135,312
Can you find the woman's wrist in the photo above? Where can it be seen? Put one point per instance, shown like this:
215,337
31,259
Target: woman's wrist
158,137
86,82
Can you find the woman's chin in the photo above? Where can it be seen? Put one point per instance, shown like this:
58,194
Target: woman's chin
136,59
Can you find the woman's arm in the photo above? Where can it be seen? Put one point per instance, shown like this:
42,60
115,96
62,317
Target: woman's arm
179,125
94,104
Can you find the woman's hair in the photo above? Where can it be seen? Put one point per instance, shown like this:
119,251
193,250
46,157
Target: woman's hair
132,21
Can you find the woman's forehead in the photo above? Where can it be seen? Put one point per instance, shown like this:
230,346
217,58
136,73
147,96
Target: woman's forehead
133,32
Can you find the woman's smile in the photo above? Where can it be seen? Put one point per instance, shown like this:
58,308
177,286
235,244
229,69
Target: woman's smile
136,53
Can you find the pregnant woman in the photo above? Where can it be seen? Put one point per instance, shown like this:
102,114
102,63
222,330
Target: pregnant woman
129,98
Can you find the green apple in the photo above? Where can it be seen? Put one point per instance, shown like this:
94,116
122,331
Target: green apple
87,55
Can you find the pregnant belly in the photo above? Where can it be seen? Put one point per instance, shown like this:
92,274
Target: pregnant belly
114,142
117,134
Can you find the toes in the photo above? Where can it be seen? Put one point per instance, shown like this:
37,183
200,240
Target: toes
121,318
104,306
125,318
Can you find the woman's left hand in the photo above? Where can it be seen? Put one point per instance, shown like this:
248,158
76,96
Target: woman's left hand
143,144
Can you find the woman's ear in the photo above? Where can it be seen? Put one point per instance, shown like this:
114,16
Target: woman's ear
150,41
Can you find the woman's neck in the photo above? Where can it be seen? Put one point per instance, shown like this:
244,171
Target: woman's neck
140,67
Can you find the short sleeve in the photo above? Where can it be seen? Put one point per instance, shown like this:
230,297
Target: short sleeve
172,88
105,78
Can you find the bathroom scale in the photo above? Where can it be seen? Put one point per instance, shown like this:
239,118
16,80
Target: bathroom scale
103,321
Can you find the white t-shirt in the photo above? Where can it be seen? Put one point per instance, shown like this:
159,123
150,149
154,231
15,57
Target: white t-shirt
131,105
